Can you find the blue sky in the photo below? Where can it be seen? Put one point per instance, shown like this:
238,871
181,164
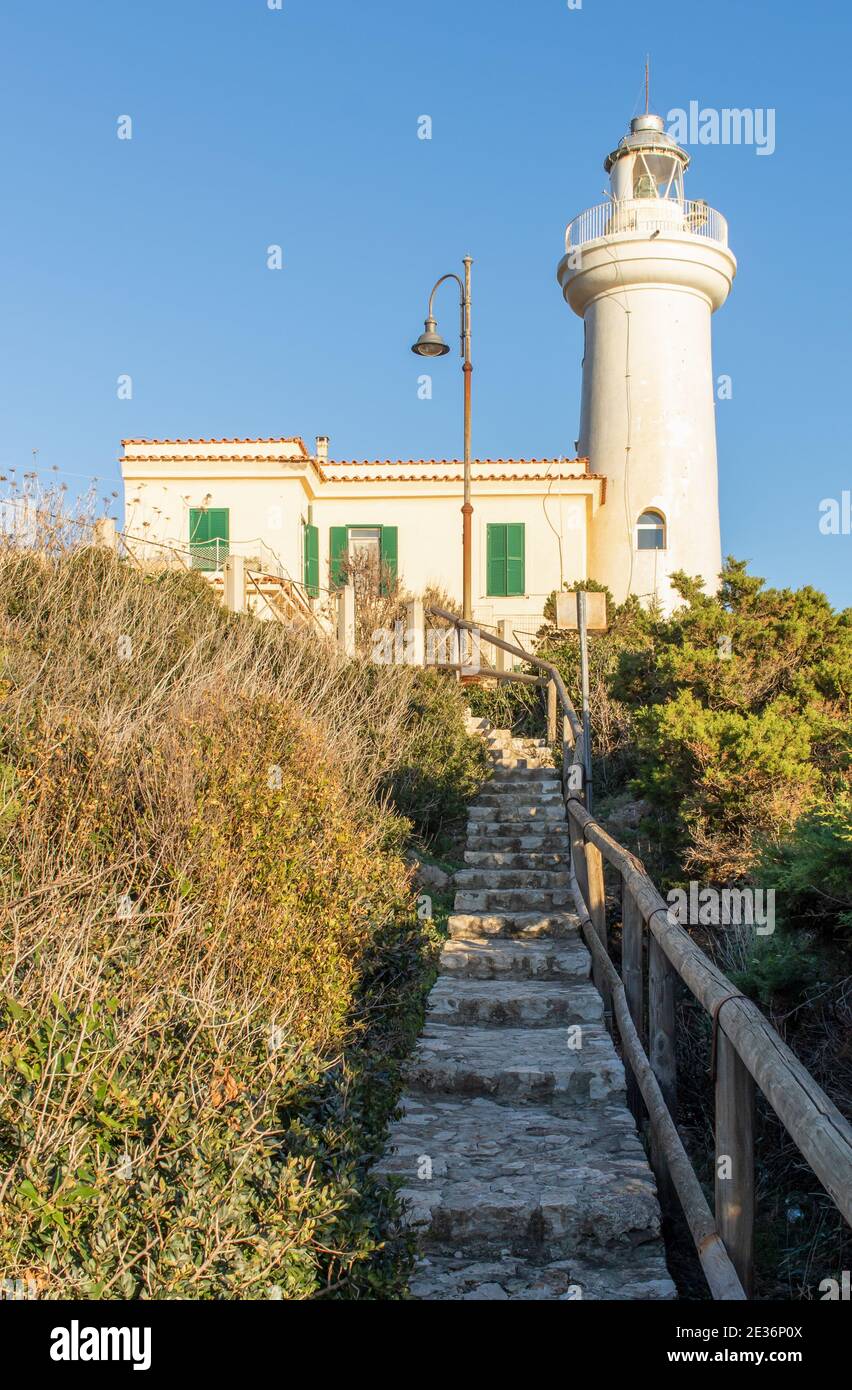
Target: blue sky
298,127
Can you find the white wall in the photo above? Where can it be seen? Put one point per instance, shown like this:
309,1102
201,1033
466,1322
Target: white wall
267,509
272,508
429,534
648,411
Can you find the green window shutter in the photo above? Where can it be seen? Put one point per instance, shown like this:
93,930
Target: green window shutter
310,568
208,536
338,540
496,559
198,530
515,558
389,557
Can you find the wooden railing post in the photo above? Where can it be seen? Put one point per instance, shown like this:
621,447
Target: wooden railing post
104,533
235,584
551,713
661,1048
500,654
735,1159
661,1023
632,974
415,634
346,619
588,866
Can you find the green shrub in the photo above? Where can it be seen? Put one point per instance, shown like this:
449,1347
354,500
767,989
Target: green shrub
812,871
740,713
210,964
443,766
782,965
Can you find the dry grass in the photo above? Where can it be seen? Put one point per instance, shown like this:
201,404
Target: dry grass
198,875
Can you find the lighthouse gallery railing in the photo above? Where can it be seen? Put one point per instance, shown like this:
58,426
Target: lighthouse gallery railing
692,217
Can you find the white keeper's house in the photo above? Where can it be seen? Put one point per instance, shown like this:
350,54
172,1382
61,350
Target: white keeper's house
645,271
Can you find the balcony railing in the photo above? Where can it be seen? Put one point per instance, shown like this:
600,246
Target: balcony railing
644,216
210,556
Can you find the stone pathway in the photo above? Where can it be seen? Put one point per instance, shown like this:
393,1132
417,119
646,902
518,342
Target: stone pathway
522,1170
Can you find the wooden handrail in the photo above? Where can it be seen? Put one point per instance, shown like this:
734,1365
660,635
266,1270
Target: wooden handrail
747,1050
721,1276
812,1120
515,650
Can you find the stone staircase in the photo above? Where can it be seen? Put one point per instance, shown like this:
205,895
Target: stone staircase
521,1169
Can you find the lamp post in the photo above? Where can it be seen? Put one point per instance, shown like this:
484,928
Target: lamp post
431,344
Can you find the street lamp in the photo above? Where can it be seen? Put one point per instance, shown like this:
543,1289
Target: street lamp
431,344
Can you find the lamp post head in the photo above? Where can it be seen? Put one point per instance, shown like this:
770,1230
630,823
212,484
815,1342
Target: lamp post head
430,343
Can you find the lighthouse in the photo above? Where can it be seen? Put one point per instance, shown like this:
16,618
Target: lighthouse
645,271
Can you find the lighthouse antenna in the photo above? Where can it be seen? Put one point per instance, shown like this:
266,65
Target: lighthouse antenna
647,83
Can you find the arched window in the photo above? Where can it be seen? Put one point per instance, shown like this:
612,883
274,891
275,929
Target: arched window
651,531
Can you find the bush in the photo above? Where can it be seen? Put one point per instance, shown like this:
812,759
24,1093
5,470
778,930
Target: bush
211,966
741,718
443,767
812,871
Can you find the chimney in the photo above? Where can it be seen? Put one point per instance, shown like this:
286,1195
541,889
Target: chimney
322,448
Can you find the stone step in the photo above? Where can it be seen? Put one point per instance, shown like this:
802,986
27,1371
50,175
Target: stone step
513,899
504,957
636,1275
493,1178
556,838
516,859
512,1003
520,1168
502,877
537,794
522,811
512,764
523,926
531,777
519,1066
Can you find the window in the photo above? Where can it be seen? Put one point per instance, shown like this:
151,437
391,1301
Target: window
651,531
310,560
380,542
208,537
366,541
505,564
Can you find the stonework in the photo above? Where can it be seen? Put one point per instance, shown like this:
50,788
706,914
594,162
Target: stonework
518,1161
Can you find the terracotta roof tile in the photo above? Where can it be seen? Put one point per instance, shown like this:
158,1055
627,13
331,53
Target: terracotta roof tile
451,463
277,439
512,470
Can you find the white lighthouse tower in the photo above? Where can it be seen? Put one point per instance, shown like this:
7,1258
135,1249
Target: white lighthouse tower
645,271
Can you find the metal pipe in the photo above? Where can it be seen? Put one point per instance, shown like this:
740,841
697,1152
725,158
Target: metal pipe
467,506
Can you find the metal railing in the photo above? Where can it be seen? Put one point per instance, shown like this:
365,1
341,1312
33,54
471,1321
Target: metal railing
669,216
746,1052
262,565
